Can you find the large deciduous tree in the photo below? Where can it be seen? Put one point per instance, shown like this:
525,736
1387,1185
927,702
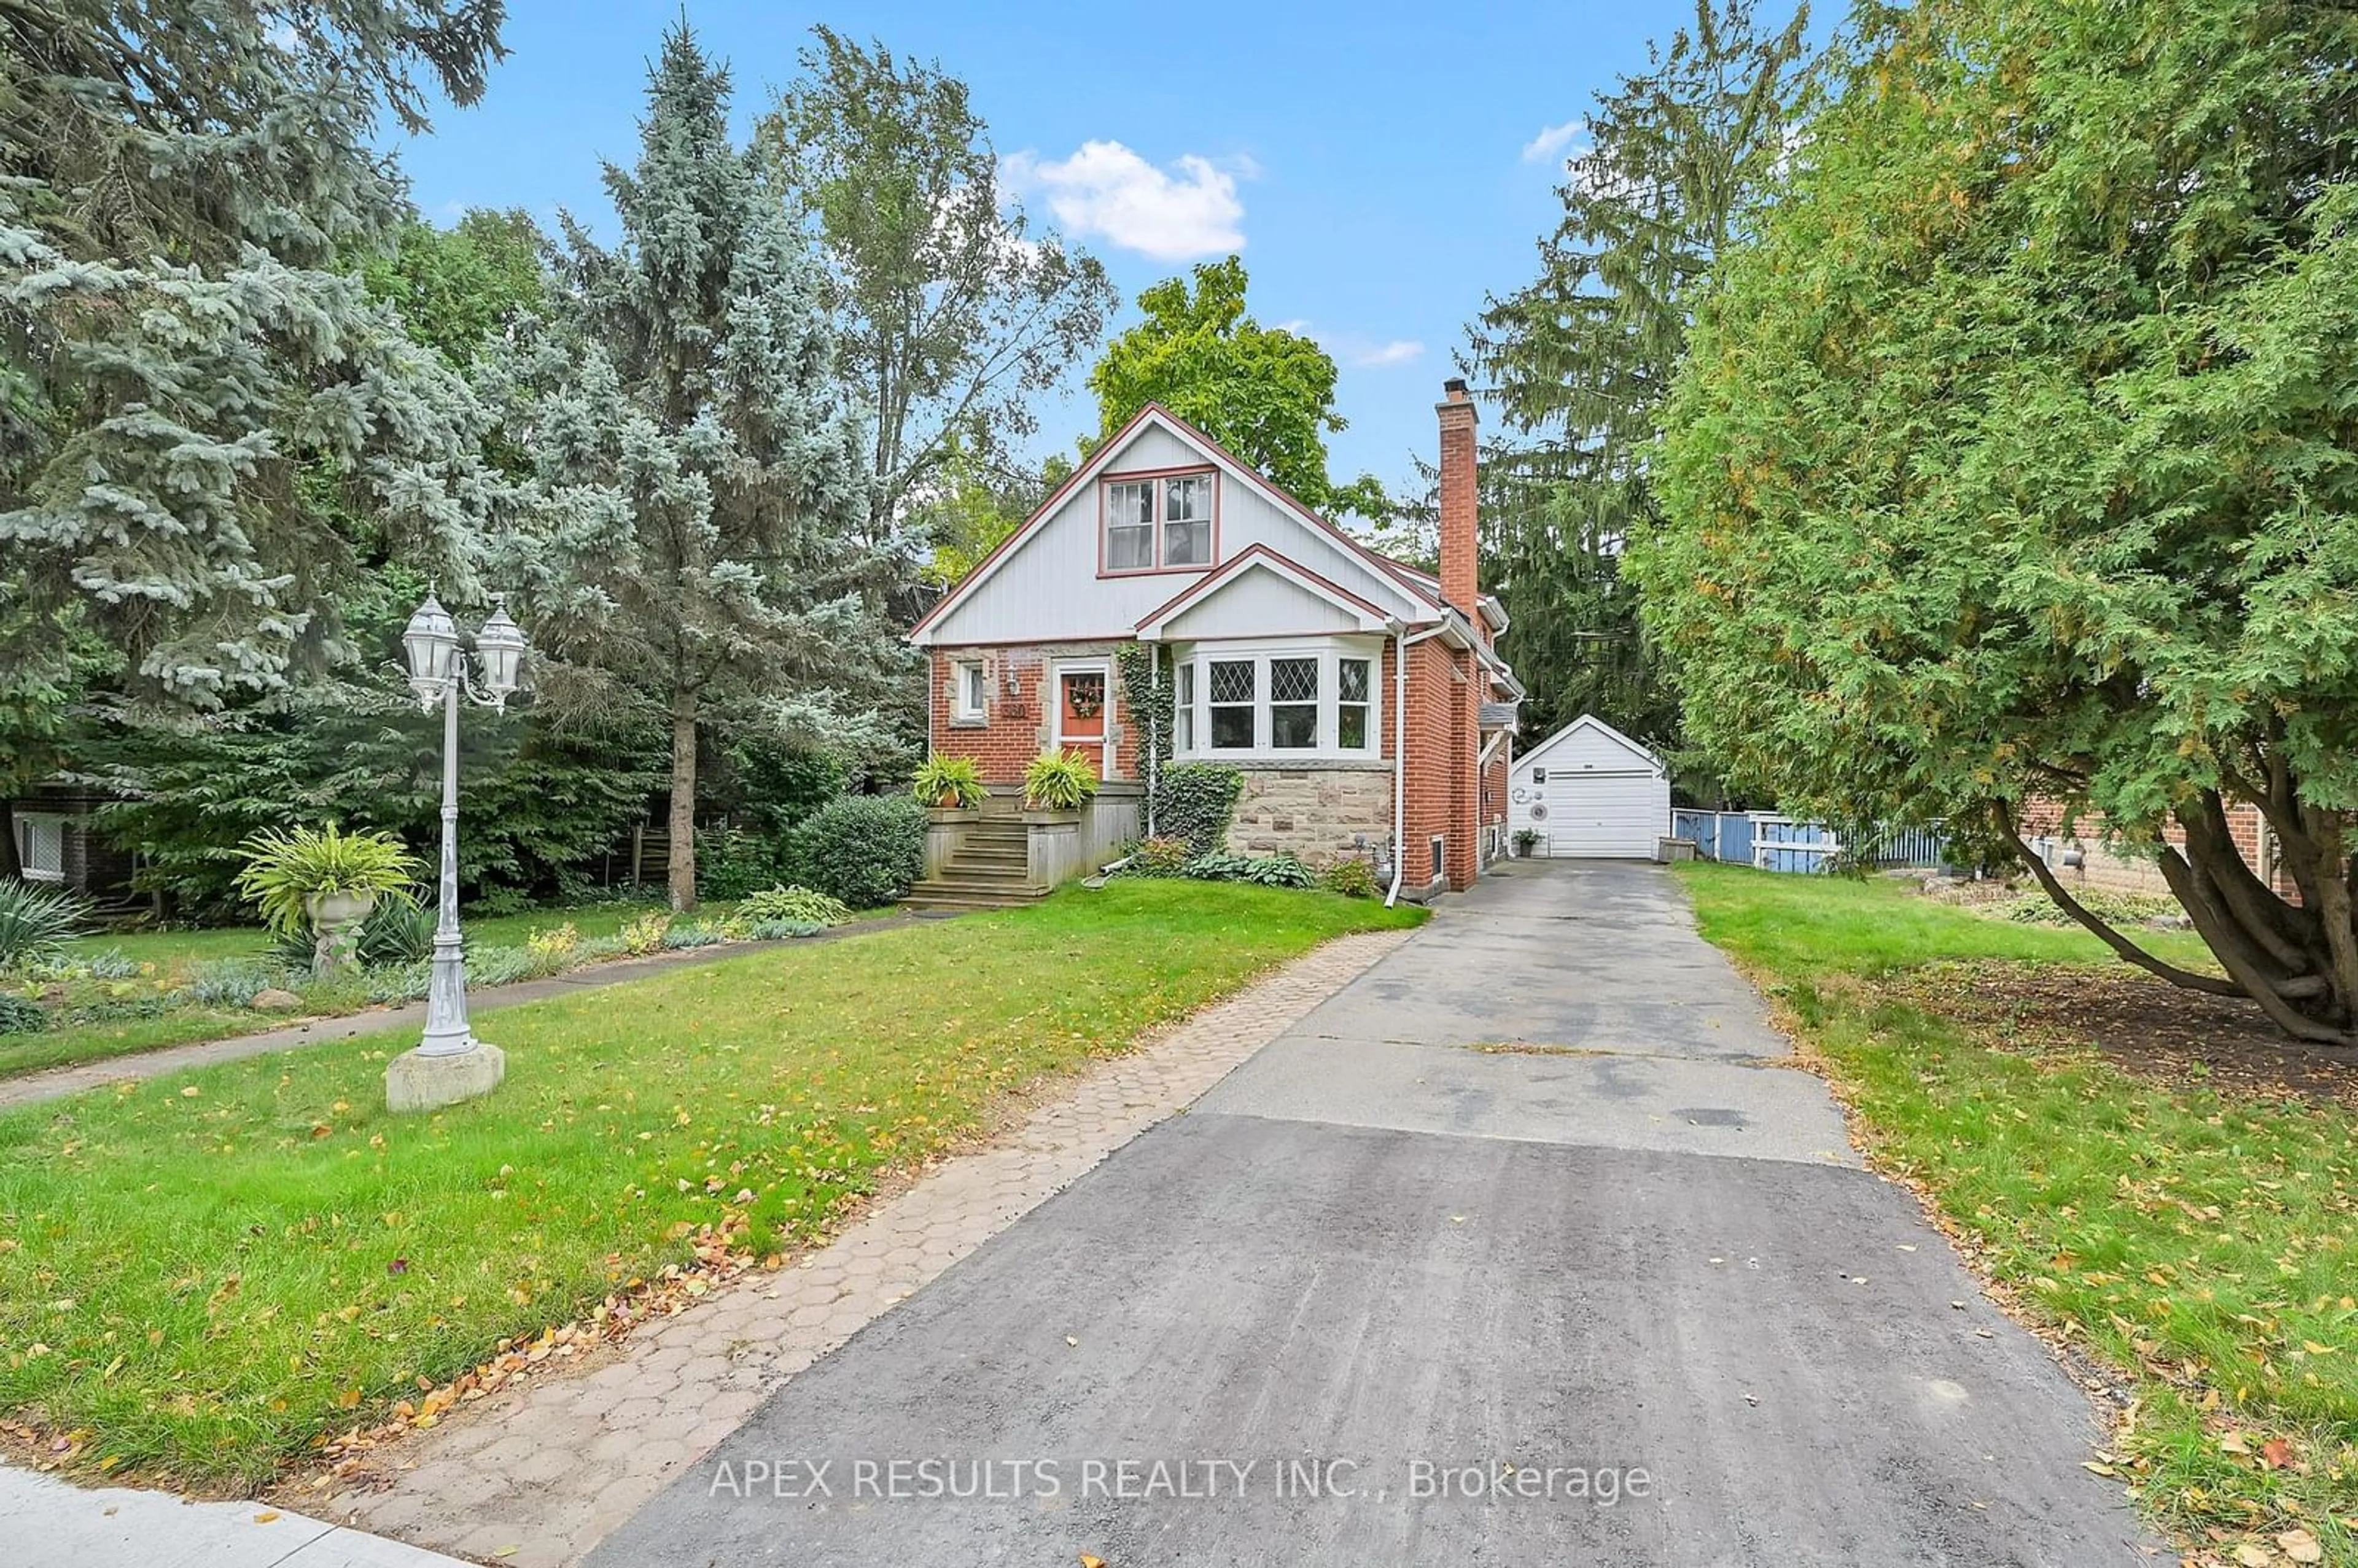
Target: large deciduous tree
955,315
1266,394
2016,457
201,420
1579,361
701,468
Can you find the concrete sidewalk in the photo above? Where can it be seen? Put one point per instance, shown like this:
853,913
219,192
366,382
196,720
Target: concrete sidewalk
48,1523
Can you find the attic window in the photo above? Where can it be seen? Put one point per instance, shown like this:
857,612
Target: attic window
1158,522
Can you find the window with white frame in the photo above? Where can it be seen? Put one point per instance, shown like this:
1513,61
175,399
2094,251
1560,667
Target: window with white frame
1231,686
1163,523
1187,519
1182,708
1293,704
968,692
1130,526
42,847
1287,700
1354,729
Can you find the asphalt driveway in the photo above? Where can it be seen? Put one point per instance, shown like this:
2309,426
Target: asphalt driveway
1523,1248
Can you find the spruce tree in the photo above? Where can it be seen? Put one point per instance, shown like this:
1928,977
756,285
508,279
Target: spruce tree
1580,360
701,473
201,421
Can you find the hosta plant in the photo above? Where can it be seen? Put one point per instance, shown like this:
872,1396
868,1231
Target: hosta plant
796,905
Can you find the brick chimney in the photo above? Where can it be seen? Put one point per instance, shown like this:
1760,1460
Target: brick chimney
1460,577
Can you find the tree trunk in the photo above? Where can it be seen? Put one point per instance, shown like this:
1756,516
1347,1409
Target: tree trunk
9,865
683,801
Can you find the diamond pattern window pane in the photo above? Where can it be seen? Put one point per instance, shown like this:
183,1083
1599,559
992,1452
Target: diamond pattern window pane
1232,680
1351,679
1294,680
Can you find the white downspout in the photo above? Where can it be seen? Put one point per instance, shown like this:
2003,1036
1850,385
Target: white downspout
1154,741
1402,644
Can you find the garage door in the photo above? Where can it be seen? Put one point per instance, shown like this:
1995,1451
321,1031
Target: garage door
1605,815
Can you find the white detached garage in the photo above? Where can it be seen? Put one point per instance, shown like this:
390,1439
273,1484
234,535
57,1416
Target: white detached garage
1590,793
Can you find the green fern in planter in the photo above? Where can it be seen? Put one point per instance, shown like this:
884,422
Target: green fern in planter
1059,781
948,781
284,870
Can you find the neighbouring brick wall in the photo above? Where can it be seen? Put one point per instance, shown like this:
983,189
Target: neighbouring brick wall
1320,814
1019,725
1494,798
2103,868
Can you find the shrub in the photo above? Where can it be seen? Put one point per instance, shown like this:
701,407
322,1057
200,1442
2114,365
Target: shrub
22,1015
862,849
694,934
1352,878
1059,781
2112,908
948,781
36,924
1158,858
283,871
797,906
1268,870
644,935
732,865
1196,801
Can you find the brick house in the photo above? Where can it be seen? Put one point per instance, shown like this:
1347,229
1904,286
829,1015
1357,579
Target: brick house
1363,700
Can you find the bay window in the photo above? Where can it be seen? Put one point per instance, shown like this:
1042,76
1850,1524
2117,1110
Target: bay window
1309,697
1232,684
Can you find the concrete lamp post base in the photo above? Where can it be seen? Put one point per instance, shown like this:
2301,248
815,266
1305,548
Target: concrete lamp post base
416,1081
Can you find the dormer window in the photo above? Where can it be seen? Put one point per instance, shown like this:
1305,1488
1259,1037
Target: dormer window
1158,522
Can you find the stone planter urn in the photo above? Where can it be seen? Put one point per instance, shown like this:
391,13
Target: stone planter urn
336,917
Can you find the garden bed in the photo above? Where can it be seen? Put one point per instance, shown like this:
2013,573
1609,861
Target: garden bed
205,1276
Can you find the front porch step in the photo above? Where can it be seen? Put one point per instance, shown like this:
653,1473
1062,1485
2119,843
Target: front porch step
961,893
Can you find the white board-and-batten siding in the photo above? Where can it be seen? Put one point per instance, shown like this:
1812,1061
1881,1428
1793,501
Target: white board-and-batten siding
1046,588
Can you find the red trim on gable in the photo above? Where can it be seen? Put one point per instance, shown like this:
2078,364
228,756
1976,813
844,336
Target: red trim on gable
1055,497
1205,587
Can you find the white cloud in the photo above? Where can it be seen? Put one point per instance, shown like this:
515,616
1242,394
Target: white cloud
1398,352
1551,142
1357,350
1176,214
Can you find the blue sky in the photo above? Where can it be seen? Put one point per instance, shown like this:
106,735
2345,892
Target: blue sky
1380,167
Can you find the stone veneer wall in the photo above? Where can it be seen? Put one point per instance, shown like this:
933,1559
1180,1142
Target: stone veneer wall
1317,812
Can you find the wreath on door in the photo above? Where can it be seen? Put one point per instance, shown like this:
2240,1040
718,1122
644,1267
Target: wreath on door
1084,695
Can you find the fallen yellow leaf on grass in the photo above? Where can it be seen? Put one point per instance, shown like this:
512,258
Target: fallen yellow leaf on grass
2300,1546
1089,1561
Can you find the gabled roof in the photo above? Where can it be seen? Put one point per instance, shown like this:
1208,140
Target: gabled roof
1423,594
1493,611
1362,615
1590,722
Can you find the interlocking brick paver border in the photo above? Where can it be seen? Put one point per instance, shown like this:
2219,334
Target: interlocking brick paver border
536,1478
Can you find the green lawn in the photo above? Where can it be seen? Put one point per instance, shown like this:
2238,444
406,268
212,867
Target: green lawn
207,1271
172,952
2205,1245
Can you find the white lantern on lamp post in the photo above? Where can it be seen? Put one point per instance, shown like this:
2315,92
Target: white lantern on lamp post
450,1064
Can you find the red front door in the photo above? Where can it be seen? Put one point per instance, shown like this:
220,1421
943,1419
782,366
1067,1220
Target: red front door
1081,713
